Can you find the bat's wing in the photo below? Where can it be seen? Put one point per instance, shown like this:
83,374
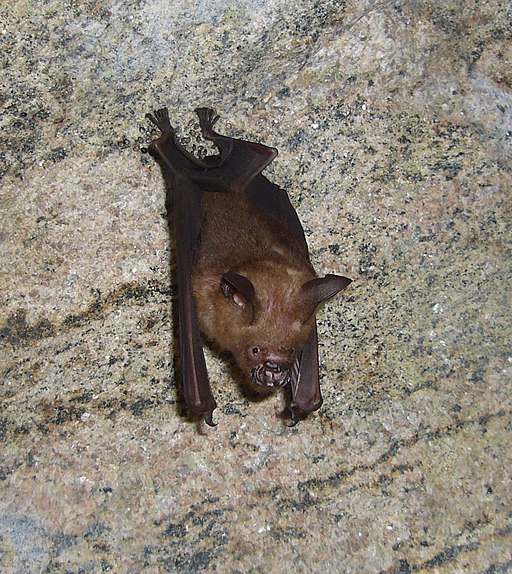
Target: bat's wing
186,201
305,380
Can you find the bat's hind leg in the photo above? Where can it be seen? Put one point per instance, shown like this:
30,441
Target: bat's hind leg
168,147
240,160
207,119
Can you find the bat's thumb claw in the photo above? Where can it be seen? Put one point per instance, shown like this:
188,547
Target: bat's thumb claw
208,419
294,415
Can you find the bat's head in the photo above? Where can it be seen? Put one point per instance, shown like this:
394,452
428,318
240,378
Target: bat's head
265,322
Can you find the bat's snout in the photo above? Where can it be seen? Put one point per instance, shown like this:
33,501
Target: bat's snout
271,374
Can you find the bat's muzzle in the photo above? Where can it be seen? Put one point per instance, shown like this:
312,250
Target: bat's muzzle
271,375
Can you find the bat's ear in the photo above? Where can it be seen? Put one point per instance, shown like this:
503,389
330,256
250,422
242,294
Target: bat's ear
240,291
321,289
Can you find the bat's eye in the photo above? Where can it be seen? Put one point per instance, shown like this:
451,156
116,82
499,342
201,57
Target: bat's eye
255,350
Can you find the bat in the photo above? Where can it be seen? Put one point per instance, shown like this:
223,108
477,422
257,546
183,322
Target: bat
245,279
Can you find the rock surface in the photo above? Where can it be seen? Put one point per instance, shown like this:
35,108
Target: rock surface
393,121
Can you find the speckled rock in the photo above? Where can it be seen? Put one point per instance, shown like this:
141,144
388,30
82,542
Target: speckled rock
393,125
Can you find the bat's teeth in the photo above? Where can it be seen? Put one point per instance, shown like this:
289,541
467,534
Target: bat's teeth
270,378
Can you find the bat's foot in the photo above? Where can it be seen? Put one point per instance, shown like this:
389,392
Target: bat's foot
161,120
207,119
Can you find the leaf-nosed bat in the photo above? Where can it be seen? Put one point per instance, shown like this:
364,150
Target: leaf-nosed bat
244,275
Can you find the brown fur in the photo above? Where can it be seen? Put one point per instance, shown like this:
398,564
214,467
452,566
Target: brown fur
236,236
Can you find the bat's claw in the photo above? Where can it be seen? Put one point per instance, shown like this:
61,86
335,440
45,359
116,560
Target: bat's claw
161,120
207,119
208,419
294,415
